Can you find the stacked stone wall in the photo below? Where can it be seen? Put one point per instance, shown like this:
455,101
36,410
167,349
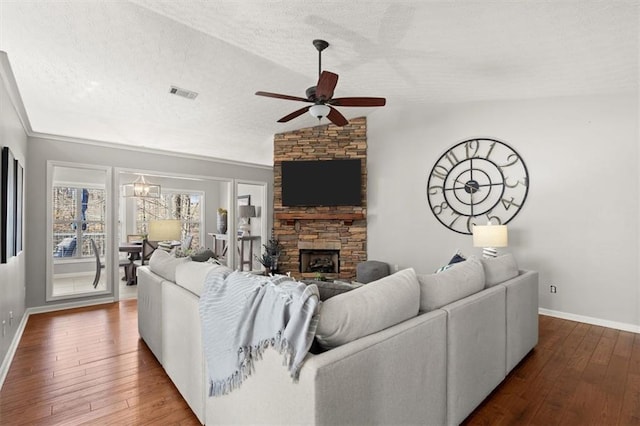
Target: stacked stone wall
326,142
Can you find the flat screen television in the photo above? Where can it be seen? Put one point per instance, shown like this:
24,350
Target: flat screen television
322,183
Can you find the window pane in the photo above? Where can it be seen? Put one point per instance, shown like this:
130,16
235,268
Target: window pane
95,205
96,232
64,244
90,218
172,205
64,204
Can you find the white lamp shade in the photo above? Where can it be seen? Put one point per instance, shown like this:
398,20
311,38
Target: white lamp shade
319,111
247,211
490,236
165,230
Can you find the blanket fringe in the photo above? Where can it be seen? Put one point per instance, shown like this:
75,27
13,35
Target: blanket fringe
247,356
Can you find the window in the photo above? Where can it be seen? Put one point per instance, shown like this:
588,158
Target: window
186,206
78,215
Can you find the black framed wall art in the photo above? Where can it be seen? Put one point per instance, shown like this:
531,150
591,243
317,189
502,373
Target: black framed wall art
11,198
19,216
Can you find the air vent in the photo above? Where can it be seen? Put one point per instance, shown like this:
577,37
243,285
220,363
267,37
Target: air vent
183,92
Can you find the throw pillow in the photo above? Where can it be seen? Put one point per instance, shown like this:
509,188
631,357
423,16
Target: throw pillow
191,275
164,264
328,289
499,269
202,256
460,280
368,309
457,258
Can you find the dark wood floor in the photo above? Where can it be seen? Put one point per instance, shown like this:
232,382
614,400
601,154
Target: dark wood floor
578,374
88,366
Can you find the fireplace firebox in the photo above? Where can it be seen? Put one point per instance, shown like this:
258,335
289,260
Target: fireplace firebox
320,261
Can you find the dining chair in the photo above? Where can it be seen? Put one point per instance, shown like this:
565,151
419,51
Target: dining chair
99,264
148,247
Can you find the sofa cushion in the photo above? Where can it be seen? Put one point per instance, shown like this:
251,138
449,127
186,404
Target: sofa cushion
164,264
328,289
499,269
191,275
460,280
368,309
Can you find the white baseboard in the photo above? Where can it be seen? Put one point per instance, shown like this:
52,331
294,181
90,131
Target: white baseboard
8,359
69,305
590,320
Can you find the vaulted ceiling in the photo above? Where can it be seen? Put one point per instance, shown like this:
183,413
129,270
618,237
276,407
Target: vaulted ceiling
102,70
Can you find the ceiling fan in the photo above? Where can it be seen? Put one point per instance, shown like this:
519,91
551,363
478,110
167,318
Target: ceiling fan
321,96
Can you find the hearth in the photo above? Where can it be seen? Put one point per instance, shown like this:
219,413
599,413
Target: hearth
320,261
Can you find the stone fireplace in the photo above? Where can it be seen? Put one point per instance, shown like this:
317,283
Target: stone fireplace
307,233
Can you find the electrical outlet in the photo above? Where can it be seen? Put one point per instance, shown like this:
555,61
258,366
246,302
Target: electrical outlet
395,268
552,289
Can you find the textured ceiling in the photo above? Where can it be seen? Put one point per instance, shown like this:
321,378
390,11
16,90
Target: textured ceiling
102,69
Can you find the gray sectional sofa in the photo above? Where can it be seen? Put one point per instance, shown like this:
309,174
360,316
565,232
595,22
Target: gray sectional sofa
430,368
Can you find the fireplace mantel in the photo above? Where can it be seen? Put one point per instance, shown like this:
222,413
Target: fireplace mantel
348,218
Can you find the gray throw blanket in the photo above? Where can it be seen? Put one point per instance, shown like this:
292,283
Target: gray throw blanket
243,314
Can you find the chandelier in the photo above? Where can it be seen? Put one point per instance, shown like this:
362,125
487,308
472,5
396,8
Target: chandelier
141,188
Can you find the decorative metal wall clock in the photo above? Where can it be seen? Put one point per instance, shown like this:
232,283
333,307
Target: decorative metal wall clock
477,181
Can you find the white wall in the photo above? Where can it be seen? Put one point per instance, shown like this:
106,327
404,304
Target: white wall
12,273
579,226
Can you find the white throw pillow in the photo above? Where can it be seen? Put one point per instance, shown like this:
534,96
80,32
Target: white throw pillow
368,309
164,264
460,280
191,275
499,269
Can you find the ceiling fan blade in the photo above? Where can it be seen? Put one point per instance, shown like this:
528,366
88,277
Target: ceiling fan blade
359,102
279,96
326,84
336,118
294,114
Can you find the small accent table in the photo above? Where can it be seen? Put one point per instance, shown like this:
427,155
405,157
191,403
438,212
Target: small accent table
245,245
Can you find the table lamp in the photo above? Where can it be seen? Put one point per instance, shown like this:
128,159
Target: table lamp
244,213
489,237
165,230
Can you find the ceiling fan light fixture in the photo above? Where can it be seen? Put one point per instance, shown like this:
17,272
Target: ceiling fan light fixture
321,96
319,111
